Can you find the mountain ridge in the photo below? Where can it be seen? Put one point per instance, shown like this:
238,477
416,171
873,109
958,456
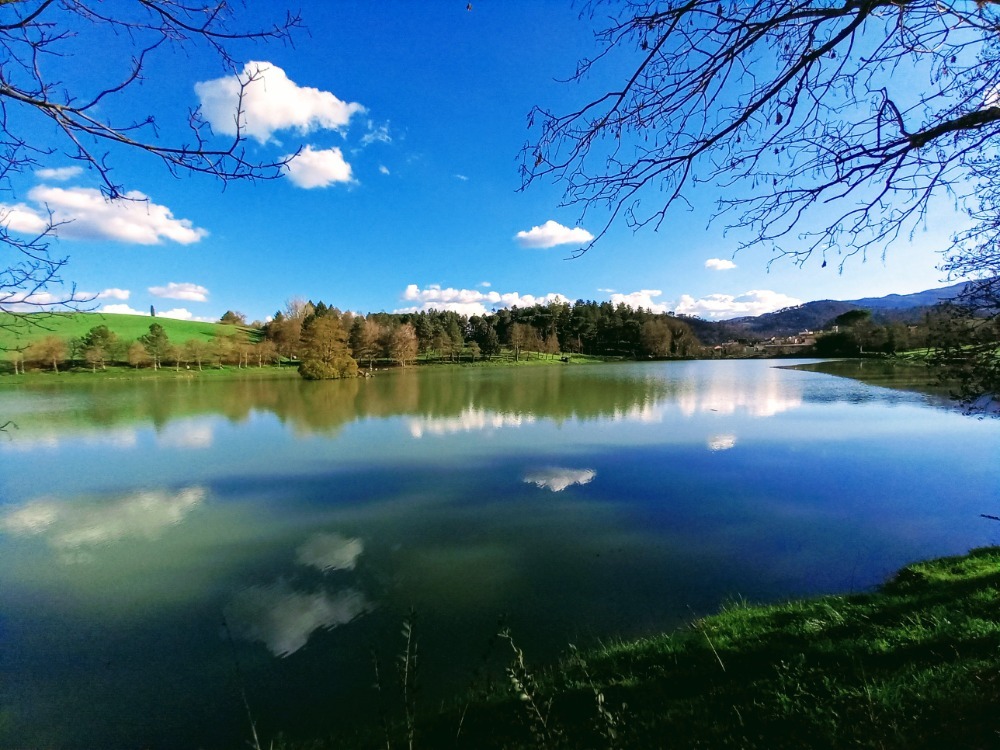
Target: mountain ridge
905,308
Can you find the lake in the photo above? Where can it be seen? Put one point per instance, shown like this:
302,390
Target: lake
168,546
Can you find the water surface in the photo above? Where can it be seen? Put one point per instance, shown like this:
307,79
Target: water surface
168,544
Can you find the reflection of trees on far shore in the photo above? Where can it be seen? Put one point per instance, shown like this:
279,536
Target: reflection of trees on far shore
553,393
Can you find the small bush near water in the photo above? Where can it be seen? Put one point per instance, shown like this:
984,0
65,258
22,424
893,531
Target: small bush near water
914,665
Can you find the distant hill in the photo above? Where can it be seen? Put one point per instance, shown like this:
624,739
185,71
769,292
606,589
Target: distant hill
812,316
17,332
927,298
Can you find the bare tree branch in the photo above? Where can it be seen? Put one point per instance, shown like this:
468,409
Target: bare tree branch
91,127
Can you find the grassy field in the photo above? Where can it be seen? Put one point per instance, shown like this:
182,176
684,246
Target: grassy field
18,331
914,665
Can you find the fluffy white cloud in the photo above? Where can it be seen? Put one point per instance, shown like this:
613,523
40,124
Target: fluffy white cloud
557,480
24,302
551,234
177,313
121,310
114,293
484,284
461,177
23,218
186,291
383,169
271,102
182,313
719,264
723,306
643,298
470,301
314,168
59,174
85,214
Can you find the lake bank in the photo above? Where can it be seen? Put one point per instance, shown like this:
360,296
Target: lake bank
913,665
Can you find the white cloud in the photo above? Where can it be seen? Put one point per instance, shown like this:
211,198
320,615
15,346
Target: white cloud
182,313
559,479
114,293
376,134
313,168
383,169
59,174
723,306
177,313
283,619
85,214
607,291
643,298
551,234
121,310
22,218
271,102
186,291
23,302
330,552
484,284
461,177
719,264
470,301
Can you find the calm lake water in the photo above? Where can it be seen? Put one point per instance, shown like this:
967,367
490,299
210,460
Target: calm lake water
165,543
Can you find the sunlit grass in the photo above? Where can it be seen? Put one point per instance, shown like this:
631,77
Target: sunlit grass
914,665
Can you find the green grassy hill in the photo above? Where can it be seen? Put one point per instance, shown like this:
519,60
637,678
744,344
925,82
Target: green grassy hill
17,331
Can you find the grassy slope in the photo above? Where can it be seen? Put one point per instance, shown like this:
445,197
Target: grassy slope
19,331
916,665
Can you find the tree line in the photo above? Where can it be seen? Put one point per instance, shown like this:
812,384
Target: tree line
101,347
326,340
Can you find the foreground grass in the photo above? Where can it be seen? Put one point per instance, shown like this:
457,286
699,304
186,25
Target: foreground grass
915,665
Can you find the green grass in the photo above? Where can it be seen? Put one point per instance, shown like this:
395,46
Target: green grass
17,331
914,665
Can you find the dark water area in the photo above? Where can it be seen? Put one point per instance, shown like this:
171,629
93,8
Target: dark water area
167,546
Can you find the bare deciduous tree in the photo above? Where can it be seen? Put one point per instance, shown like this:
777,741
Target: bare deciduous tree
876,106
828,129
51,109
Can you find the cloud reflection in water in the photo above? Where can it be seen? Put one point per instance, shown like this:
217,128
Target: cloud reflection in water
558,479
283,619
330,552
721,442
469,420
78,524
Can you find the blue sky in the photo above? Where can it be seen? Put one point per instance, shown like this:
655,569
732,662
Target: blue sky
410,119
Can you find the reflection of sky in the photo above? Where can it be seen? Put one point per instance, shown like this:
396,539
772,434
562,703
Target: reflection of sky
721,442
119,438
69,525
330,552
765,393
283,619
557,479
470,420
648,413
188,434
